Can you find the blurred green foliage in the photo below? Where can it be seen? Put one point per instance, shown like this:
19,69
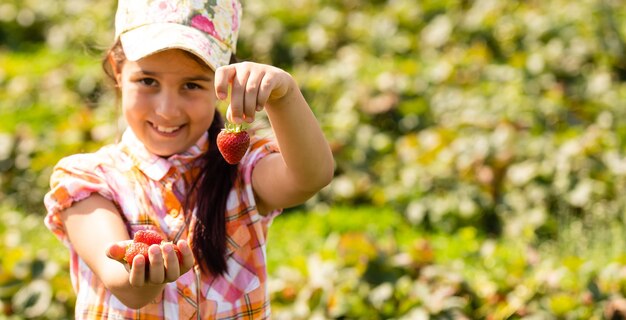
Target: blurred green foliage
372,265
480,144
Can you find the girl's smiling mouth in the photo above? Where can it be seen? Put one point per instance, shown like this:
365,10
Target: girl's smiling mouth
167,130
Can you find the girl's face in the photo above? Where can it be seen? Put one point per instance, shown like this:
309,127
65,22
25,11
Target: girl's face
168,100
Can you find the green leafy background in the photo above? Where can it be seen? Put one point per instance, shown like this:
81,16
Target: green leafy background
479,151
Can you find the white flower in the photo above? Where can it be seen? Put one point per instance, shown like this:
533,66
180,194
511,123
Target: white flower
168,11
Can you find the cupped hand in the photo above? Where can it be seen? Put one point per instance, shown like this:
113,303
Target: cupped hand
253,86
163,265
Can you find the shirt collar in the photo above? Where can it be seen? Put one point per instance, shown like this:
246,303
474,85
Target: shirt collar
156,167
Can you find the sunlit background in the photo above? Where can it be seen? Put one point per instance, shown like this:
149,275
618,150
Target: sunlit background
479,147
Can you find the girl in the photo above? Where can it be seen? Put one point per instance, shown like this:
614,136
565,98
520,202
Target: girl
170,63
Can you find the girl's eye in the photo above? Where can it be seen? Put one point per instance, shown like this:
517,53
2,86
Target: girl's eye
192,86
147,81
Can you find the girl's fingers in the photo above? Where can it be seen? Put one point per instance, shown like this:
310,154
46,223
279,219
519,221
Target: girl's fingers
267,86
229,115
137,274
156,274
187,256
223,78
251,94
237,95
252,86
172,270
164,265
116,251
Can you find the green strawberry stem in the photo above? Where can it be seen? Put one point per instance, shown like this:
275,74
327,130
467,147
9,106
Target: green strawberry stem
234,127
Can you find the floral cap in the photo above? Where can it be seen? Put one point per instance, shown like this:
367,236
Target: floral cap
207,28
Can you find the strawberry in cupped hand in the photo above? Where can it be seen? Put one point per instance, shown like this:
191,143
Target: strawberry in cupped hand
142,240
148,237
134,249
233,142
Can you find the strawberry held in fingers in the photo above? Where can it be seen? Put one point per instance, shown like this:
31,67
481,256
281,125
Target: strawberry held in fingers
233,142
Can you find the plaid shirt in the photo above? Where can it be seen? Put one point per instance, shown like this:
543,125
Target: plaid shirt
149,190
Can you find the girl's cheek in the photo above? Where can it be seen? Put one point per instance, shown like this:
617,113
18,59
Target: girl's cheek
133,93
133,103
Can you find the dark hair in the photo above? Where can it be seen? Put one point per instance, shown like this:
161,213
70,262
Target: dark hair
211,187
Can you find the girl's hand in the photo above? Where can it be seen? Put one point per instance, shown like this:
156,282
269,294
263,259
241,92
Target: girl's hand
253,86
163,267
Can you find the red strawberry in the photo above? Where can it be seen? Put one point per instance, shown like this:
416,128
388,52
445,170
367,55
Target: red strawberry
233,142
148,237
134,249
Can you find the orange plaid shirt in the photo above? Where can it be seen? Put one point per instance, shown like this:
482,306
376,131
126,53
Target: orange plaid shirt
148,190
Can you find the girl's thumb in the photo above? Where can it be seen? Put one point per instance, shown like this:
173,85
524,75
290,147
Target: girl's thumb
116,251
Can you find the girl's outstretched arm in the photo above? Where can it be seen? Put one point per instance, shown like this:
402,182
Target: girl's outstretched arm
305,164
98,235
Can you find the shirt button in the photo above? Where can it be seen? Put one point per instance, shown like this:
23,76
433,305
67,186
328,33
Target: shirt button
174,212
187,292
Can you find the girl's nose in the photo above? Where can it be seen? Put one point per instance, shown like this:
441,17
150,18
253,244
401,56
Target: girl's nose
168,105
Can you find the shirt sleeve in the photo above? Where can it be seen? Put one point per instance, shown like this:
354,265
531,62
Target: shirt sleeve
259,149
73,179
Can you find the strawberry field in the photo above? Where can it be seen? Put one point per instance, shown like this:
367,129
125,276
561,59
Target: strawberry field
479,147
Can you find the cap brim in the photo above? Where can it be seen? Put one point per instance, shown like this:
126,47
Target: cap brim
149,39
